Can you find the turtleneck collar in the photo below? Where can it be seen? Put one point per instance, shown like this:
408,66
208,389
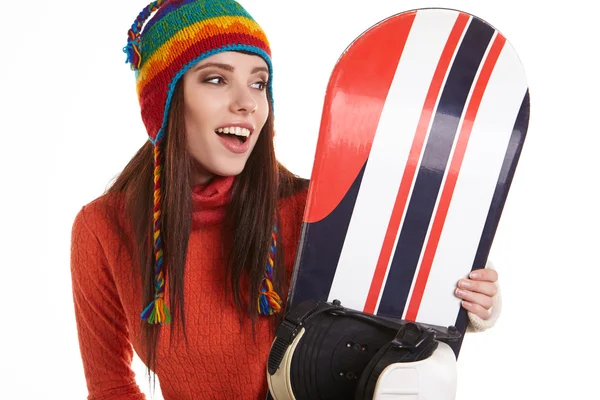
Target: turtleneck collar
210,200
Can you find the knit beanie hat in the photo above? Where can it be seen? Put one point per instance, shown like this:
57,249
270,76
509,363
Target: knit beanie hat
179,35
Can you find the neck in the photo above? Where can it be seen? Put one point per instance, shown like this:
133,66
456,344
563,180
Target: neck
201,178
210,200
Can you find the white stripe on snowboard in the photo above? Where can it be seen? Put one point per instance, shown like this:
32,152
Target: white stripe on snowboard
418,268
474,189
388,157
447,169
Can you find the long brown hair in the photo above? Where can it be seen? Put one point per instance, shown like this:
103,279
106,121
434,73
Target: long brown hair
251,211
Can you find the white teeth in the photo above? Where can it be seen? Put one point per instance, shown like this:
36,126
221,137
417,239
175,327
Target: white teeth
235,130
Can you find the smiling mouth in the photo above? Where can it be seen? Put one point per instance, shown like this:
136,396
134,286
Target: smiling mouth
241,134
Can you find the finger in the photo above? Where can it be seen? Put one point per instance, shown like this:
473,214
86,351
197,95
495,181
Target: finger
476,309
475,298
483,287
484,274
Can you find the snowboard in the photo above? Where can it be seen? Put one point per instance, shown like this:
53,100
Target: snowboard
423,123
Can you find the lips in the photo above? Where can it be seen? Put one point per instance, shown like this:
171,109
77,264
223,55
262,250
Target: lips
235,144
234,136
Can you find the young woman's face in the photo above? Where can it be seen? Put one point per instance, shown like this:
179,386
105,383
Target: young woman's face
225,108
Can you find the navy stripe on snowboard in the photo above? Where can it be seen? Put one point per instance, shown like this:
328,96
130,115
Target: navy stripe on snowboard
319,260
431,172
505,178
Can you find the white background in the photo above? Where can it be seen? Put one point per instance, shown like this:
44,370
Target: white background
69,122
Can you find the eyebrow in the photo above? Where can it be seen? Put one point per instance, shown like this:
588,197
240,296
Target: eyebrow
228,67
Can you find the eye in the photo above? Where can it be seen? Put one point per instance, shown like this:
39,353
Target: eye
261,85
215,80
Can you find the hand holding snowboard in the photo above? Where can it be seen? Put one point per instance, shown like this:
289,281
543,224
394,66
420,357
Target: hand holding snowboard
477,292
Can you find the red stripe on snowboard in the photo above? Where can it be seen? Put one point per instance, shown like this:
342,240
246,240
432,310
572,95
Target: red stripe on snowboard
347,127
413,160
454,170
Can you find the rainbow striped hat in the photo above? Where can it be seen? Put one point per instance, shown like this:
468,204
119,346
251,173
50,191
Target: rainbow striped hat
179,35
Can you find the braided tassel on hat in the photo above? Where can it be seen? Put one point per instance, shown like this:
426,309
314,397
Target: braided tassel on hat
134,54
157,311
269,301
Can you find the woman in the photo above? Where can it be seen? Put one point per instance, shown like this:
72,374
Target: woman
199,232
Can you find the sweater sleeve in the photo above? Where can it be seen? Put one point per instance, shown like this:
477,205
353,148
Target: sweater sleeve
477,324
101,324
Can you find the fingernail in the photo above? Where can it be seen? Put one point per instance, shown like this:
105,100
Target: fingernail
474,275
460,292
464,283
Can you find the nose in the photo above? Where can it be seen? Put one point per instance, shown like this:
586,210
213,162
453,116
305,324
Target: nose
243,101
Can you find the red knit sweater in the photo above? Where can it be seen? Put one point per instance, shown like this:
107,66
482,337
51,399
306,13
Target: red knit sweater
222,360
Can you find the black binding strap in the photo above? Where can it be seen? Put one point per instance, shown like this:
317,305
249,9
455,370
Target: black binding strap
410,335
289,327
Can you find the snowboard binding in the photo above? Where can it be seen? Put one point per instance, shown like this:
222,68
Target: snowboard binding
325,351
